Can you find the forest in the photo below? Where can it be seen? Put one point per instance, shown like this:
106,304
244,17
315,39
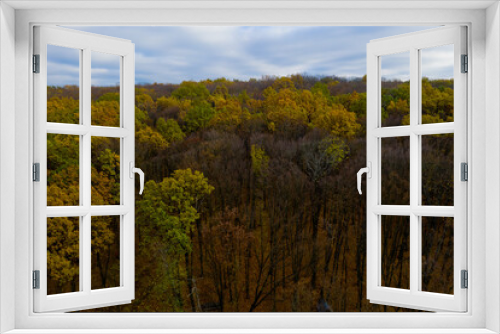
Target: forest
250,203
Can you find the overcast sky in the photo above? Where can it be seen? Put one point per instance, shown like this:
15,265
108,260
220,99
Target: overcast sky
176,54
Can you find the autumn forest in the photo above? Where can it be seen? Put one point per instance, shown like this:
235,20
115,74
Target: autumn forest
250,202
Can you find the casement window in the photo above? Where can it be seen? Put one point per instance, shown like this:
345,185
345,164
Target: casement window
77,220
419,215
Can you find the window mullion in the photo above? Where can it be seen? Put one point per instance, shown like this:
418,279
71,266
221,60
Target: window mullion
86,169
81,180
414,171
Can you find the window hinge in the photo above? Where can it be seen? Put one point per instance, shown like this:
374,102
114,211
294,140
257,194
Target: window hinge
465,279
464,172
465,64
36,63
36,172
36,279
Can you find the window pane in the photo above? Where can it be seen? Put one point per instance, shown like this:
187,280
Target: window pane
63,81
63,255
396,252
395,84
437,84
63,172
396,171
437,254
105,89
437,170
105,252
105,171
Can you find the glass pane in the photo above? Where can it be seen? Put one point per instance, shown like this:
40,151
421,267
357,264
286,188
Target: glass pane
437,170
437,254
63,170
105,89
63,84
105,171
437,84
396,252
395,84
396,171
63,255
105,252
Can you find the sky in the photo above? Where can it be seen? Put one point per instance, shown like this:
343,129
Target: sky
171,54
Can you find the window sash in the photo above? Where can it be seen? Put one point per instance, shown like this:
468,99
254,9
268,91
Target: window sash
86,297
414,297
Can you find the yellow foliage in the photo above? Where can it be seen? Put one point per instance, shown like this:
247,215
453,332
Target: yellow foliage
399,107
283,108
63,252
260,160
229,113
283,83
63,110
151,139
168,102
145,102
106,113
255,104
338,121
436,101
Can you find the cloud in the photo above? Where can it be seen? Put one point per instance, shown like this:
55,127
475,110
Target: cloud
105,69
396,66
63,66
177,53
438,62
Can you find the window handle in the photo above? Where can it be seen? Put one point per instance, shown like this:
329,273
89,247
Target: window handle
134,170
368,171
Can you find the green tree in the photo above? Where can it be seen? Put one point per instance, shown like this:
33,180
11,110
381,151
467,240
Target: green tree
170,130
109,97
320,88
165,215
260,160
190,90
149,142
198,116
171,206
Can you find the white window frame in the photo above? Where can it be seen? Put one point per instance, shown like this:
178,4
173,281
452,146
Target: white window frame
85,43
483,314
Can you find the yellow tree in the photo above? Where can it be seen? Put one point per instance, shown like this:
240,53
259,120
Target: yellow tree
146,103
149,141
106,113
437,101
63,254
228,113
164,103
337,121
283,110
63,110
